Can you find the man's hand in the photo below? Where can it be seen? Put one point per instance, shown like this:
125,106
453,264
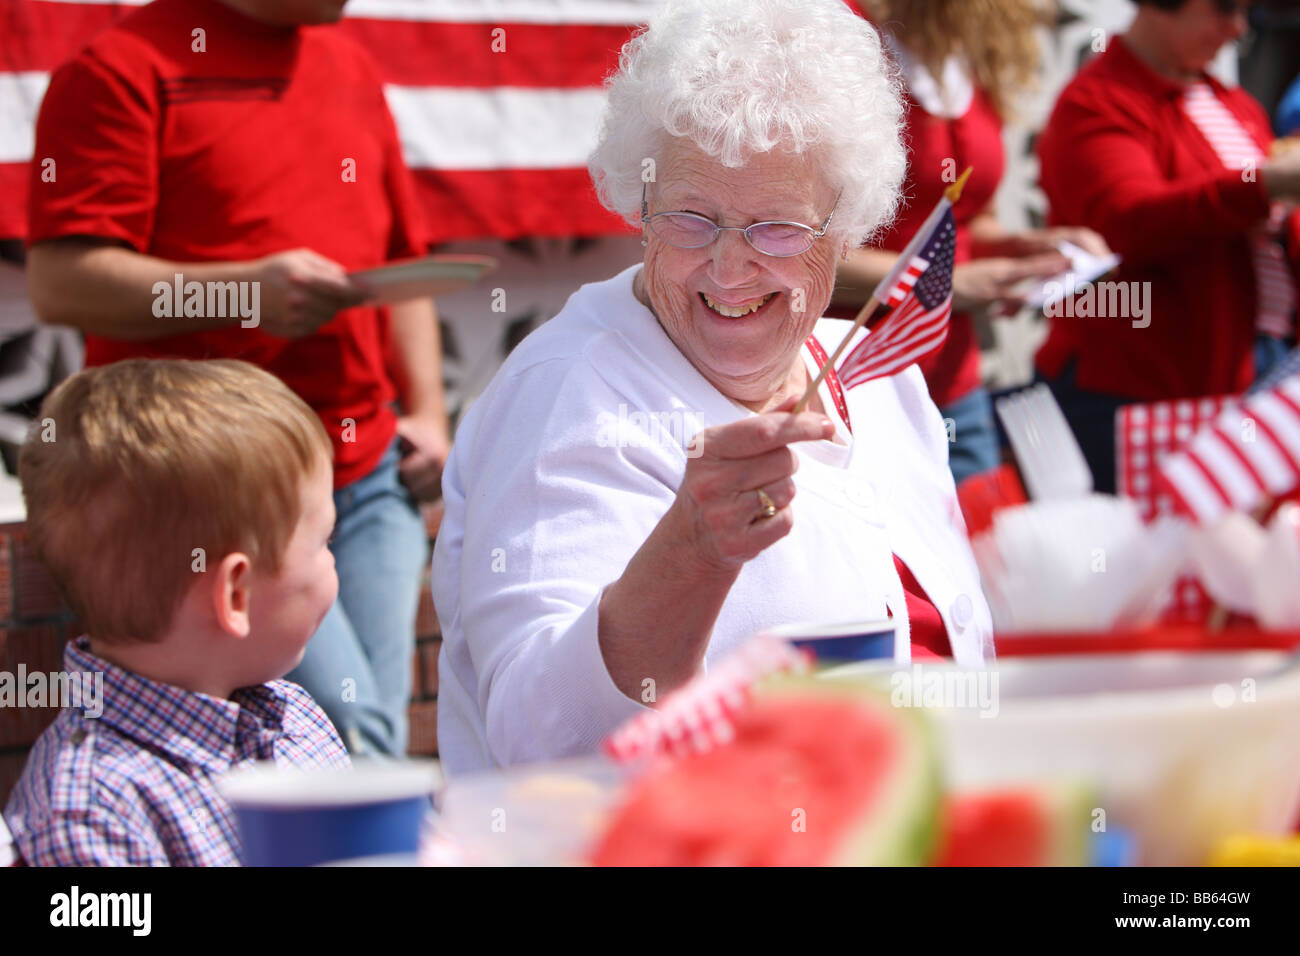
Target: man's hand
302,290
425,447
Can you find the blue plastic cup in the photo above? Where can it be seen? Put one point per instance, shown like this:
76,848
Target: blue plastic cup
841,643
306,818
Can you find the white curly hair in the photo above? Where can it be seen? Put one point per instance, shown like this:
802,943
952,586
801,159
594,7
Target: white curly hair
740,77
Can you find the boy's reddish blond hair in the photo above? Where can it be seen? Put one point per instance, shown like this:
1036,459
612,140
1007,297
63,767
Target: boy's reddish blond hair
133,467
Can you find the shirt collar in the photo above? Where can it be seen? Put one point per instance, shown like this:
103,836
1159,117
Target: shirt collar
195,728
948,95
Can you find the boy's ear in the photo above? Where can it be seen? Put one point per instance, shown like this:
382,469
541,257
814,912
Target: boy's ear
232,594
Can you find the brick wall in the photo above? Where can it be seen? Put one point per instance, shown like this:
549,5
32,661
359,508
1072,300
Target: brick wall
34,626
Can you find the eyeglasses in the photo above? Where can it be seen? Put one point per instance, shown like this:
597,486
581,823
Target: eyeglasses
776,237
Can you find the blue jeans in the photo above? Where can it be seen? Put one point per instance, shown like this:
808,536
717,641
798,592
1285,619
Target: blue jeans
358,664
1269,351
973,444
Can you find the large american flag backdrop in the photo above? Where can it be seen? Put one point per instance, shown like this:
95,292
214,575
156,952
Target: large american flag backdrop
497,101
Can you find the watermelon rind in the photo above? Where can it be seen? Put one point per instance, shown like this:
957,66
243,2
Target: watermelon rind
902,827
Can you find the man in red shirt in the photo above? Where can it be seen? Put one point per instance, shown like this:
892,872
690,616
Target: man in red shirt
206,173
1147,149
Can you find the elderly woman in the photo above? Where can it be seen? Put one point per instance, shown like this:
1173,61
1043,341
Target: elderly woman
632,497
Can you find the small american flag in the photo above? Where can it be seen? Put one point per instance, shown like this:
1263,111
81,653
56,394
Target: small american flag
1148,433
1249,455
920,294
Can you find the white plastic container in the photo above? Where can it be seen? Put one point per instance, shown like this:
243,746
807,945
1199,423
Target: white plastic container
532,815
1184,748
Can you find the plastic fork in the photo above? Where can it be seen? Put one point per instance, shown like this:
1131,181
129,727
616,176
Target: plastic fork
1050,458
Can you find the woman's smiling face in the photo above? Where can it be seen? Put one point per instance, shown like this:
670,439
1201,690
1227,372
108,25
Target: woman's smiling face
738,315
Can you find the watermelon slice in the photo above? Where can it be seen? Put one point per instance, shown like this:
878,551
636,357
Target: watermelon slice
1039,825
818,772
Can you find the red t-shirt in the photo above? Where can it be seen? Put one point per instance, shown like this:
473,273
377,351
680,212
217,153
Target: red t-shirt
233,153
1120,156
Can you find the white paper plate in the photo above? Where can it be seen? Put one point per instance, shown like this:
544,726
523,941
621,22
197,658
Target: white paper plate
429,276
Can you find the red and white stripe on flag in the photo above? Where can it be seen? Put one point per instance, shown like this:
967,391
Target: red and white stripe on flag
908,335
1248,455
915,269
497,138
1147,434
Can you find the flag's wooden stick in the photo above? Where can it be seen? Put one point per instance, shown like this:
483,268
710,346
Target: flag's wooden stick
866,312
951,194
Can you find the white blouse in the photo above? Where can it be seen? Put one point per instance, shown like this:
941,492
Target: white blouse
567,462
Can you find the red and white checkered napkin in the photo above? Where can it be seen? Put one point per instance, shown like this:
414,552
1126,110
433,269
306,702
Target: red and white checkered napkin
698,717
1145,434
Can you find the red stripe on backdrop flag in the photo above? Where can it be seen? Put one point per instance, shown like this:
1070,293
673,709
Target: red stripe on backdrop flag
508,203
39,35
497,138
470,54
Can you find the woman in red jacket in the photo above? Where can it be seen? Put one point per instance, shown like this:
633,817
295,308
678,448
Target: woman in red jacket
962,61
1173,169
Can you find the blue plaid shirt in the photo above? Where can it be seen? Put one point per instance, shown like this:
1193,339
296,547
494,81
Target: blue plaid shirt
137,785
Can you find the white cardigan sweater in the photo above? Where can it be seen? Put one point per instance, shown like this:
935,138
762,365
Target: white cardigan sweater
569,459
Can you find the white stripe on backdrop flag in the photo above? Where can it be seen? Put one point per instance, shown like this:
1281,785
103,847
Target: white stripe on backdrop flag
497,137
1247,457
919,288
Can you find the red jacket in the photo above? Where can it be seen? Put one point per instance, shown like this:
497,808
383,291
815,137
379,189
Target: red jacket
1120,156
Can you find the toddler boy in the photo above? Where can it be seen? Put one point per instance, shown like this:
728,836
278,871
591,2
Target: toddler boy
185,510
